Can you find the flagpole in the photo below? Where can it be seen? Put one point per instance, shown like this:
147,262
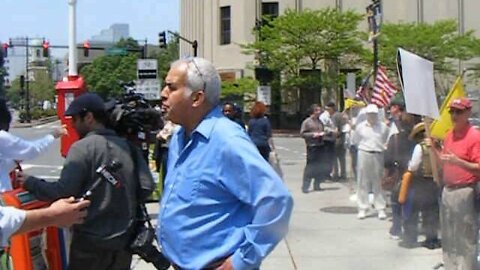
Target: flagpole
428,122
433,160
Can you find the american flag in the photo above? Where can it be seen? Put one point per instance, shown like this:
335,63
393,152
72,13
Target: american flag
362,92
384,89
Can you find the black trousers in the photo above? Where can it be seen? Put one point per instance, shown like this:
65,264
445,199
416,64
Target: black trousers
316,168
422,198
90,257
264,151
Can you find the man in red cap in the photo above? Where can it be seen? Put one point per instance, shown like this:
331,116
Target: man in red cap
460,163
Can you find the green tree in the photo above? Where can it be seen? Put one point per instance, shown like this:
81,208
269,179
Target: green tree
105,73
128,43
238,87
439,42
42,88
310,39
3,74
13,93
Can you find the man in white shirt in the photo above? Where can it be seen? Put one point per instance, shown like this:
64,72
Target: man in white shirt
14,148
62,213
370,137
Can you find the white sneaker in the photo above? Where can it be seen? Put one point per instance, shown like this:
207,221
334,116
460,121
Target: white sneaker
382,215
394,236
361,214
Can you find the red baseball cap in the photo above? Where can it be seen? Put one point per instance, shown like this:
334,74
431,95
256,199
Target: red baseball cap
460,104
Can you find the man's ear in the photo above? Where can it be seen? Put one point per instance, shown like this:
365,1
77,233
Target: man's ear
89,117
198,98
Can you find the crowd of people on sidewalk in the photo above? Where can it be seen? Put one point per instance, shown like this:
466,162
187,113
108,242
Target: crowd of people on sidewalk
431,184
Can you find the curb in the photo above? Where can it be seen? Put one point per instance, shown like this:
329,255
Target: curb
35,122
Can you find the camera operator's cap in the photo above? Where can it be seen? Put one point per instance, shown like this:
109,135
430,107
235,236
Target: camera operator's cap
88,102
461,103
371,108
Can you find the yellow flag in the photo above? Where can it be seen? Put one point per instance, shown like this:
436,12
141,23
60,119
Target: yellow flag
439,127
348,103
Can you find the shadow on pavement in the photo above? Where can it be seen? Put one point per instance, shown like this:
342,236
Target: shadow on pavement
340,210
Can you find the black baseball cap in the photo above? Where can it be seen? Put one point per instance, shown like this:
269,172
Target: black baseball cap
88,102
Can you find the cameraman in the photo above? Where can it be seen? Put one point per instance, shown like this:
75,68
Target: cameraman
101,242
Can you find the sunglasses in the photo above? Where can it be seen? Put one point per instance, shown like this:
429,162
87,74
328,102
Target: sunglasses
453,111
192,60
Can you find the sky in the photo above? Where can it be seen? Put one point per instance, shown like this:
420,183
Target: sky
49,18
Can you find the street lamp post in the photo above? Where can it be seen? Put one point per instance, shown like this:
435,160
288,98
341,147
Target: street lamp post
27,90
374,16
72,36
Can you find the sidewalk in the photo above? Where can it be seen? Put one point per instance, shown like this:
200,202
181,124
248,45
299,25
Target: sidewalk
325,233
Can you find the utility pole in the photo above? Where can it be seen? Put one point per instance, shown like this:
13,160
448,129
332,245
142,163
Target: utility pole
374,17
72,38
27,90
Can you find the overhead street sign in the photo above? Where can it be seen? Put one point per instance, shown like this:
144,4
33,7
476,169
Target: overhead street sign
116,51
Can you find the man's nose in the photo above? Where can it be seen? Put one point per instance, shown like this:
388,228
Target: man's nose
164,93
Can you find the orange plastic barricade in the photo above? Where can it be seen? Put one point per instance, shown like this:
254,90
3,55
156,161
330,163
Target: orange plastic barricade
40,249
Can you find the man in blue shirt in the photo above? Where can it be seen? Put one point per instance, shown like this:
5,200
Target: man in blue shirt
223,206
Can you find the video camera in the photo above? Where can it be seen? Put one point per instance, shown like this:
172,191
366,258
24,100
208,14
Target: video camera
131,116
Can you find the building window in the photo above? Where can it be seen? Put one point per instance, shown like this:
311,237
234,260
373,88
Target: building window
225,25
270,9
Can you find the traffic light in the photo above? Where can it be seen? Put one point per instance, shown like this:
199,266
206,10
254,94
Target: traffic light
45,46
162,40
86,48
5,49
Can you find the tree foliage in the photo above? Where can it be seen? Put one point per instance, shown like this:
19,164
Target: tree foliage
439,42
42,88
3,74
128,43
105,73
306,40
239,86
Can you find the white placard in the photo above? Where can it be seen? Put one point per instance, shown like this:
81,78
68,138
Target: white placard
150,88
418,84
264,94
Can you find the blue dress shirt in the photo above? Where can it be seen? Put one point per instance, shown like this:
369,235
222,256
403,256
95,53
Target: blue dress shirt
221,198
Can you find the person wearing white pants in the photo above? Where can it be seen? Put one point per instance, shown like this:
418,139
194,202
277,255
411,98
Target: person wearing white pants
371,138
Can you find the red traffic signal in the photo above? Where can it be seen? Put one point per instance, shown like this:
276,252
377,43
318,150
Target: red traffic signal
5,49
86,48
45,46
